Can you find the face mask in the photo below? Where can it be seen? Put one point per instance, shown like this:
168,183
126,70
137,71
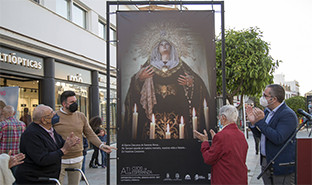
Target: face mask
55,119
220,125
263,102
73,107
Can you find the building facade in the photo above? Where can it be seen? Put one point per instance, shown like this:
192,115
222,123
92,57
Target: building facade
49,46
291,87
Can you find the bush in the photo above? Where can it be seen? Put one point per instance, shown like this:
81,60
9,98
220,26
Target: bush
297,102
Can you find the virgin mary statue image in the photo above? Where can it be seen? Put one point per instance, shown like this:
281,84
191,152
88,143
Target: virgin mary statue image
168,96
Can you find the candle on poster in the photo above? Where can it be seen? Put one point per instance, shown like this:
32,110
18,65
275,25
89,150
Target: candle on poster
152,128
181,129
134,122
168,132
206,109
194,121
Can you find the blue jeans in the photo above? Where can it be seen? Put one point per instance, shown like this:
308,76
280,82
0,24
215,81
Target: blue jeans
103,154
83,164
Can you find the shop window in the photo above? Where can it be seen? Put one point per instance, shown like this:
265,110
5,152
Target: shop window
113,112
81,92
28,93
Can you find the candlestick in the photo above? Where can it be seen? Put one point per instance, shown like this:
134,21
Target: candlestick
134,122
181,129
152,128
194,120
168,132
206,114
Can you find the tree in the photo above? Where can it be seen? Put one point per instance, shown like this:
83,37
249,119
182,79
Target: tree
248,64
297,102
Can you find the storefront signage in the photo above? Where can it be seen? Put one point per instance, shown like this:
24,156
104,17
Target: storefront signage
12,58
17,61
75,78
72,73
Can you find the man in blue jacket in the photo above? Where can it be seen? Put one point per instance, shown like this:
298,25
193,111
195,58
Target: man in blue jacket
275,125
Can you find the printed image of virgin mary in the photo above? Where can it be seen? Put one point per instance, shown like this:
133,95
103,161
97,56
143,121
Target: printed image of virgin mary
169,89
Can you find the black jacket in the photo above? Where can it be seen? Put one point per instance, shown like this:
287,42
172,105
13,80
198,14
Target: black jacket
42,155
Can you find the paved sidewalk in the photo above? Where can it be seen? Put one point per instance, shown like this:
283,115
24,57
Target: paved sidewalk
97,176
253,162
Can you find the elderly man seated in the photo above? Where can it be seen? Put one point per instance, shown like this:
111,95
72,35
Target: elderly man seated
43,148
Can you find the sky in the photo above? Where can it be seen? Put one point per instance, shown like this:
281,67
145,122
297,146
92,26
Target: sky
286,25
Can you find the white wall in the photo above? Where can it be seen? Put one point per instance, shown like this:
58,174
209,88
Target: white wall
28,18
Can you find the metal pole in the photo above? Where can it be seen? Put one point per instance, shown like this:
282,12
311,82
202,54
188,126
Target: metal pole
108,89
244,118
223,55
164,2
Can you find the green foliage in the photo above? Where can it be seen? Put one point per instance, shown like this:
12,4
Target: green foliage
297,102
249,67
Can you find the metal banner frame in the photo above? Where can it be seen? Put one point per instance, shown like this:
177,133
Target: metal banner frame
108,41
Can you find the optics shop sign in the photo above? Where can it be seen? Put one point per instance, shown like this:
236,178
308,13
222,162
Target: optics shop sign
12,60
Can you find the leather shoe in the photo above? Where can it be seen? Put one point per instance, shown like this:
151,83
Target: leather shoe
93,166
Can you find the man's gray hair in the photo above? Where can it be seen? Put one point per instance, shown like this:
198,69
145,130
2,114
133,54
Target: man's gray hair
38,112
8,110
230,112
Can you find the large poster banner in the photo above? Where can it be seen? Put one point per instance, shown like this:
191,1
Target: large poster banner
9,96
166,89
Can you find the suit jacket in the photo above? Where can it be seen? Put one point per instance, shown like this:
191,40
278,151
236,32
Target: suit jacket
281,126
227,155
42,155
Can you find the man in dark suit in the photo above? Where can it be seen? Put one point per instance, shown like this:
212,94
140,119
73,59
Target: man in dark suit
275,125
43,148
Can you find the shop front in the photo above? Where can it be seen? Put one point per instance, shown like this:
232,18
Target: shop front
24,71
42,80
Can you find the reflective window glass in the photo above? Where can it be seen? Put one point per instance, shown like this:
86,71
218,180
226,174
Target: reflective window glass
62,8
79,16
113,112
112,35
28,95
102,29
